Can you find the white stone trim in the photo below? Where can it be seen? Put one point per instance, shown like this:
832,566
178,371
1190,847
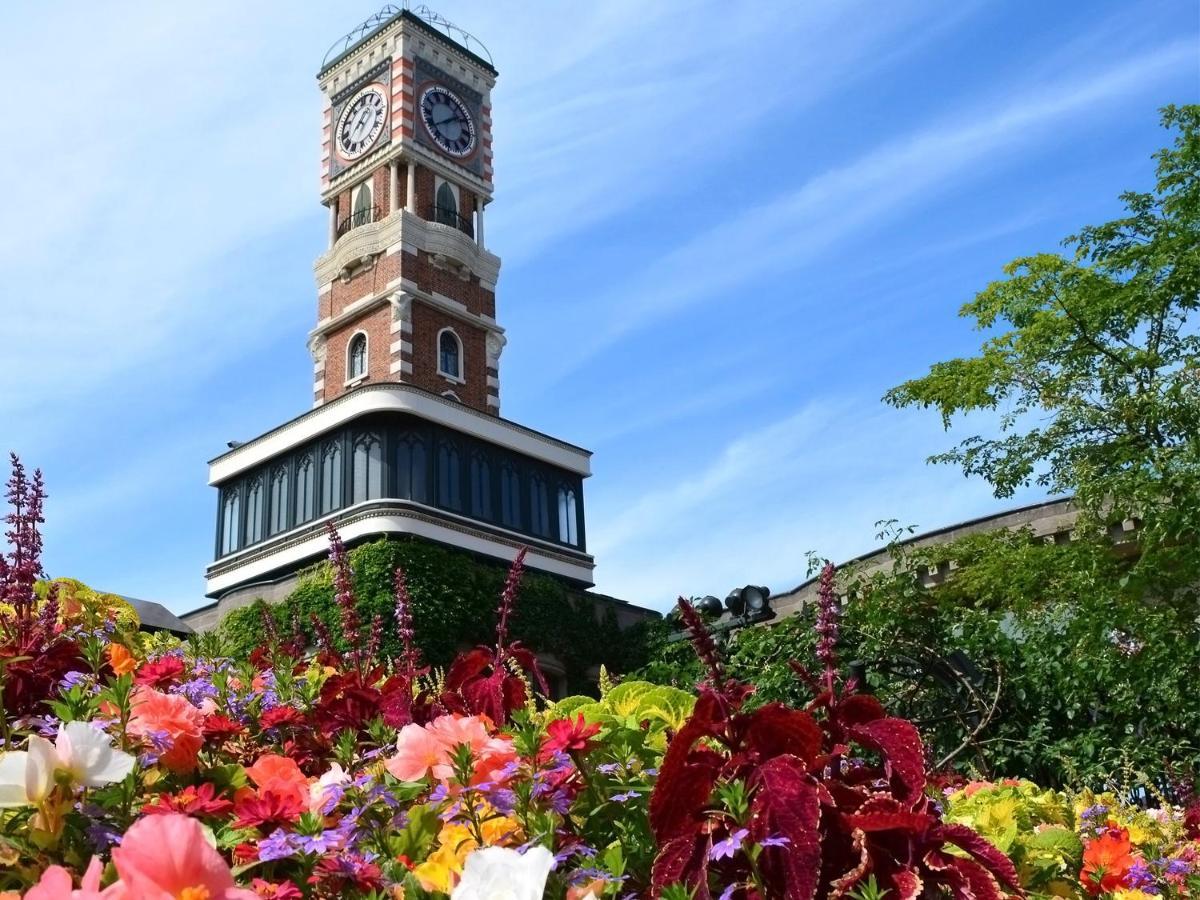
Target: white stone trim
401,346
398,398
395,521
405,229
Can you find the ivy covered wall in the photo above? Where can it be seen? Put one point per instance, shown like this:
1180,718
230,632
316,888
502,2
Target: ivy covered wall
454,598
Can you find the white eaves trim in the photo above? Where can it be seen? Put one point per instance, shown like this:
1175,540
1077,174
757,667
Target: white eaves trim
398,398
391,523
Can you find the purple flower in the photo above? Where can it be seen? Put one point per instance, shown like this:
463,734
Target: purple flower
776,840
609,768
278,845
731,845
728,892
625,797
1178,867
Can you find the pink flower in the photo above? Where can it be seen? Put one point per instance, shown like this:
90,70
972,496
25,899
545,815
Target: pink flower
418,752
56,884
155,713
168,858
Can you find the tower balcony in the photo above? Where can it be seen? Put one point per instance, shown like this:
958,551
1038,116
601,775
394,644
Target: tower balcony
448,237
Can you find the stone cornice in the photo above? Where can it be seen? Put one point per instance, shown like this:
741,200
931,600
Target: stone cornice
398,517
403,398
403,229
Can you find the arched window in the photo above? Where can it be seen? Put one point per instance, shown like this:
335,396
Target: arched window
449,477
539,507
411,467
231,521
331,477
510,496
367,466
449,354
568,518
254,511
481,487
306,489
356,357
278,510
446,205
364,207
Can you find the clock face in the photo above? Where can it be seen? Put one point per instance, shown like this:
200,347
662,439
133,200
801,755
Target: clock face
361,122
447,120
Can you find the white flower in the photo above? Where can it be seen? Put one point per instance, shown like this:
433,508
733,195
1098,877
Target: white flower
498,873
317,790
84,753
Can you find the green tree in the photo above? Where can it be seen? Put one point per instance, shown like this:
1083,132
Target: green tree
1093,364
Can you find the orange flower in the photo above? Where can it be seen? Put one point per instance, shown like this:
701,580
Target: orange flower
156,713
121,659
1106,862
280,774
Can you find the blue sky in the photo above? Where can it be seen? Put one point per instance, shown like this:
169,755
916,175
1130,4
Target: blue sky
726,229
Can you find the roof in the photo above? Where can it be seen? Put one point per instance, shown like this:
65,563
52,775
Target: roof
156,617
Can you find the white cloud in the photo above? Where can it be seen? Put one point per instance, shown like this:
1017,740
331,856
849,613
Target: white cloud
799,227
819,479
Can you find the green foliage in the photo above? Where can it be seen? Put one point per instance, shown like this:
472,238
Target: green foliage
1092,364
1088,670
1034,827
454,599
636,705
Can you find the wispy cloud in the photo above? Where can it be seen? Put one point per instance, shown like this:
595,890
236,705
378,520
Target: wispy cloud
817,480
800,226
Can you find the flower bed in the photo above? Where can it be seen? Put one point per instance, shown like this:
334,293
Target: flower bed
133,767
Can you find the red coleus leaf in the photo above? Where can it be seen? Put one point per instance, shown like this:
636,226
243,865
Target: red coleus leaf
527,660
902,820
685,781
683,860
859,708
786,804
966,879
467,666
775,730
908,884
844,883
982,850
898,742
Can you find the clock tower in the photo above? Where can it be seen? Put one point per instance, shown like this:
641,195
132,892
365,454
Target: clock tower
406,291
403,434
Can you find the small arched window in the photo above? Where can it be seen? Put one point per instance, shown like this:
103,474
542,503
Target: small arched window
364,207
510,496
411,467
231,522
356,357
306,493
539,507
278,509
449,354
449,477
254,511
331,477
568,518
481,486
446,205
368,468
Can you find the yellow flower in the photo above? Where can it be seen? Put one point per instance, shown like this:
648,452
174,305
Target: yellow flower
1130,894
440,872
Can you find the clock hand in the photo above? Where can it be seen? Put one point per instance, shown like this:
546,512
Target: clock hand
449,118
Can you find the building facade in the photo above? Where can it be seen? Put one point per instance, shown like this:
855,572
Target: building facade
404,434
